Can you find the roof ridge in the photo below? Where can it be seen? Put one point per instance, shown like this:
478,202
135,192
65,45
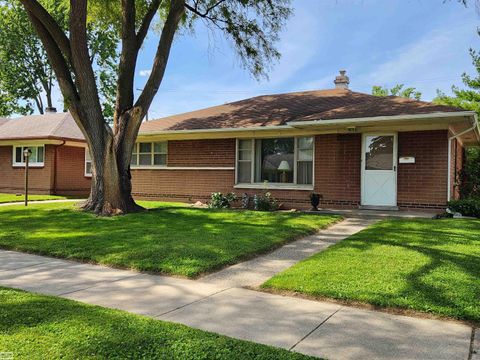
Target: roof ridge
60,123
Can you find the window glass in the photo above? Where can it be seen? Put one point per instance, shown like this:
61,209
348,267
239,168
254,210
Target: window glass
40,154
160,147
244,166
88,162
245,172
36,157
379,153
275,160
134,160
305,172
145,159
160,159
19,155
145,147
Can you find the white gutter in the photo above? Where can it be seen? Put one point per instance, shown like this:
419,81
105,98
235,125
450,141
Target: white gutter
298,124
475,126
384,118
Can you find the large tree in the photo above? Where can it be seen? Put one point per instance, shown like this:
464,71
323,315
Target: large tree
26,77
251,25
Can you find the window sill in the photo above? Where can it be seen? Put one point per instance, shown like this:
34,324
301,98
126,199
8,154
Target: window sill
274,186
29,165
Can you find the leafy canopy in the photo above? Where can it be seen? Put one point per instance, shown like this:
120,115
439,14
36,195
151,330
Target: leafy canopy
397,90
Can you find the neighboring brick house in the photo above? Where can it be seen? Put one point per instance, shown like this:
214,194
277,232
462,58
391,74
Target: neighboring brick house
57,164
353,149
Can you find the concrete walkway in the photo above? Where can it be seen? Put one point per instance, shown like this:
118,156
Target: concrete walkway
258,270
217,303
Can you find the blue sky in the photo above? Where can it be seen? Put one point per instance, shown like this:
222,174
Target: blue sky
421,43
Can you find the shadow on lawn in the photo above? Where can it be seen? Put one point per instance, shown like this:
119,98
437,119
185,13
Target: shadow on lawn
172,240
452,248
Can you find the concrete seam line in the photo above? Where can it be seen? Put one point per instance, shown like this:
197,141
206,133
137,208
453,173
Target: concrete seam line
98,283
26,266
190,303
472,342
315,328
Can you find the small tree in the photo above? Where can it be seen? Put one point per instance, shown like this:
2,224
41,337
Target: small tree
251,25
26,77
397,90
467,98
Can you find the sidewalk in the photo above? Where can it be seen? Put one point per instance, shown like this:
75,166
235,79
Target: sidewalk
41,202
316,328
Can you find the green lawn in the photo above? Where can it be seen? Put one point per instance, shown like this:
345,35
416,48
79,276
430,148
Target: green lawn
168,239
424,265
6,198
44,327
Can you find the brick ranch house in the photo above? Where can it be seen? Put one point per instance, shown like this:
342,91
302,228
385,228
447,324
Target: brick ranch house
354,149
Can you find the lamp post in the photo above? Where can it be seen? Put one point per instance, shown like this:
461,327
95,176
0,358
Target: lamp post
26,155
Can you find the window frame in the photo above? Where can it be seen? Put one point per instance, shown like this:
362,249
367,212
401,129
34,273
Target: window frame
136,152
30,163
88,159
263,185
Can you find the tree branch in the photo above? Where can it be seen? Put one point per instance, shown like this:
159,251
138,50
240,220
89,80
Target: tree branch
127,65
177,10
82,67
147,20
49,23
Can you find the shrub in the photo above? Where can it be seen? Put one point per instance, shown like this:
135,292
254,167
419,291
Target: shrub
220,201
265,202
466,207
470,175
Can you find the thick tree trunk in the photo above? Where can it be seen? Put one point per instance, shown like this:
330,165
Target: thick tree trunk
111,189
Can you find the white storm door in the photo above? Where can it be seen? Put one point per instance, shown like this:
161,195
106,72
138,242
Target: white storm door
379,170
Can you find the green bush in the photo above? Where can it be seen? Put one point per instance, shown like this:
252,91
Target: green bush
220,201
265,202
466,207
470,175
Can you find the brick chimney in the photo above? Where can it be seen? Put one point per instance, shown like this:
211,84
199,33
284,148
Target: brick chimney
50,110
342,80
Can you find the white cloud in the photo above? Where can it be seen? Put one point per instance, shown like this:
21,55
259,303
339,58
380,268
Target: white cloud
145,73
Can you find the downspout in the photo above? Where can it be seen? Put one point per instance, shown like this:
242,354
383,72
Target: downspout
55,168
475,126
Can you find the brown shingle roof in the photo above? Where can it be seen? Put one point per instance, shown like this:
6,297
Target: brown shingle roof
48,126
271,110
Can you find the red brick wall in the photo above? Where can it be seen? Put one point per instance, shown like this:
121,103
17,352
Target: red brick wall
215,152
338,169
70,176
337,173
12,178
423,184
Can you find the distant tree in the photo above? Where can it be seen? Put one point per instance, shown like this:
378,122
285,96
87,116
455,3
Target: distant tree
397,90
467,98
26,77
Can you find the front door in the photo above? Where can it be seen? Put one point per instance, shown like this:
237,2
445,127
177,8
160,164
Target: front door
379,170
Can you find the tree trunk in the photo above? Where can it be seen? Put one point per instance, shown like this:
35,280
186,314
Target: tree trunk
111,188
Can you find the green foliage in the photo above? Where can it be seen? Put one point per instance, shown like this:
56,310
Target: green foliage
220,201
397,90
467,98
36,326
424,265
25,72
265,202
466,207
169,238
252,26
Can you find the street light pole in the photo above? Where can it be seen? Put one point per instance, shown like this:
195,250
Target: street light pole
26,154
